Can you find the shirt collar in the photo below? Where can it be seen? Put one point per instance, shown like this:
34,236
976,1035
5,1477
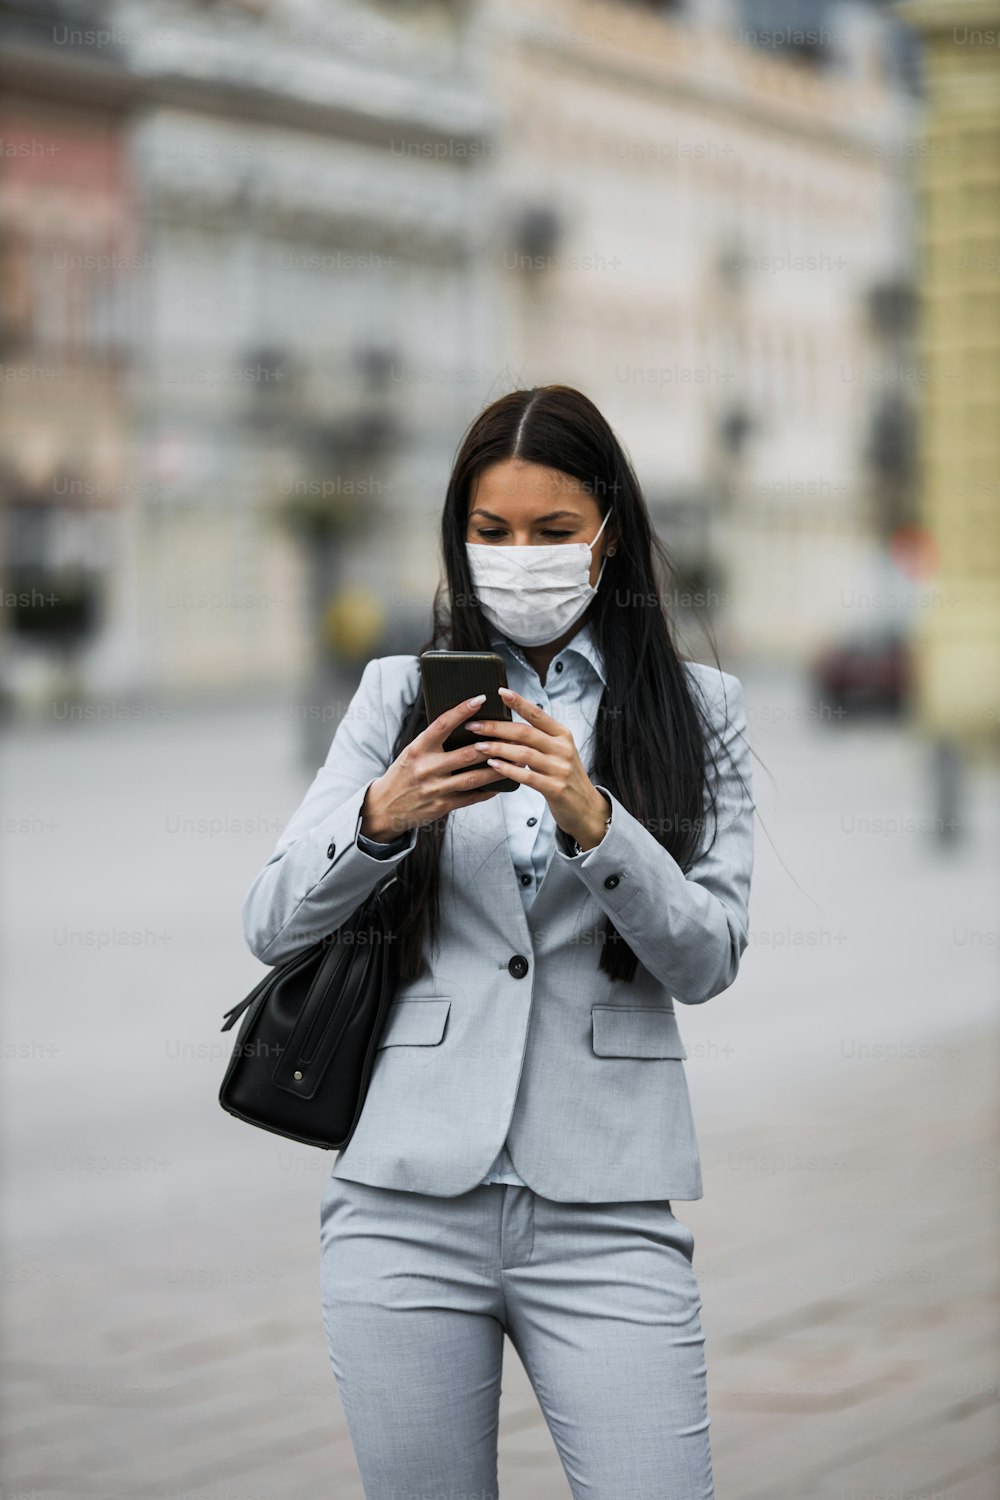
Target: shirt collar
583,644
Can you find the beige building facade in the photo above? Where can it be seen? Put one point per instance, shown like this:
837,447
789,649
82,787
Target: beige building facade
717,221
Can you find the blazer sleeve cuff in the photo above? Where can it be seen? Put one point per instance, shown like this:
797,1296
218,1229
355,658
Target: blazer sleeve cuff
377,850
322,879
690,935
346,844
607,859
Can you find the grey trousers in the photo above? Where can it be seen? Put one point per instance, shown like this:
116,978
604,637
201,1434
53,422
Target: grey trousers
600,1301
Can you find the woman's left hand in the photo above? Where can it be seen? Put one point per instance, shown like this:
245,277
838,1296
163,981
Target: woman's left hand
542,754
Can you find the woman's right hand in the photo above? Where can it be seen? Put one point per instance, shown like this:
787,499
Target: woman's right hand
418,787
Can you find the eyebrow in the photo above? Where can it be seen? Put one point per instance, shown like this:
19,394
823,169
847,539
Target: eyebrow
553,515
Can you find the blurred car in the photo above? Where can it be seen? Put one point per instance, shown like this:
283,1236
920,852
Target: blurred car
871,672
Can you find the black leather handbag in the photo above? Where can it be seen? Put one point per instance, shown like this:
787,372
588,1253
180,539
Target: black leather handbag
305,1051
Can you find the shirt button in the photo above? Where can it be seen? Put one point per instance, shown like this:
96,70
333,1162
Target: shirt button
525,879
331,851
518,966
559,666
539,705
611,882
532,822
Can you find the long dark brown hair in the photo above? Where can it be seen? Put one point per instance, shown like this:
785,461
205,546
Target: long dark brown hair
659,767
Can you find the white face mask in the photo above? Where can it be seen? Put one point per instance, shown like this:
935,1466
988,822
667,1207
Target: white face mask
533,594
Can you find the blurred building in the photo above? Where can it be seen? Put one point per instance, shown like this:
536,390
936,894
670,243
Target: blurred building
333,230
959,661
69,253
299,186
709,229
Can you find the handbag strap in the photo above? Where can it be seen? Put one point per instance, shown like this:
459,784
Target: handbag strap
350,977
232,1015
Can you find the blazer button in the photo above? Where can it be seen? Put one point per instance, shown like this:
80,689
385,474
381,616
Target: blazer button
518,966
611,882
331,851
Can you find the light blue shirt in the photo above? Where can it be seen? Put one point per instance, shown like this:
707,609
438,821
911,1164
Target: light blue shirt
574,684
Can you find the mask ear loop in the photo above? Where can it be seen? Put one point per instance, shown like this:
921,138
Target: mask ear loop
610,552
601,527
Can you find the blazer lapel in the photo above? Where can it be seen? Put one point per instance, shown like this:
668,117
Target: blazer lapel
487,864
552,898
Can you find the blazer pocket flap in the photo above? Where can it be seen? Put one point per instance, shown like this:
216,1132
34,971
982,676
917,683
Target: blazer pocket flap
414,1022
635,1031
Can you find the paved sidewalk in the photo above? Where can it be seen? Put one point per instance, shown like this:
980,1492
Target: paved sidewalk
163,1330
848,1273
848,1263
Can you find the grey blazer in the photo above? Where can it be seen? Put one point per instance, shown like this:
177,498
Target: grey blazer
515,1032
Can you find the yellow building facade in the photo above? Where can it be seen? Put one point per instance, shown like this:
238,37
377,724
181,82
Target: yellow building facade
958,639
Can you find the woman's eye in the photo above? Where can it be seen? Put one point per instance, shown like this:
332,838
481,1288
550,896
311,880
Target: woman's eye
490,535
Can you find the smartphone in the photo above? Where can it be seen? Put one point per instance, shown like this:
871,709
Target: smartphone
450,676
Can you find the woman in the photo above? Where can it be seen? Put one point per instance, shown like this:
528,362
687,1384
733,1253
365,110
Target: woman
527,1122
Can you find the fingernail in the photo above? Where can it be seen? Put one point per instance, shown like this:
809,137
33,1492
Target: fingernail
506,691
481,698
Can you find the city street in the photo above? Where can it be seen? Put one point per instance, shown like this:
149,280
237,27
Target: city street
163,1324
311,311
